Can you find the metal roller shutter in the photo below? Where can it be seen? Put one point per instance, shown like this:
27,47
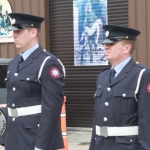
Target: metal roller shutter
80,81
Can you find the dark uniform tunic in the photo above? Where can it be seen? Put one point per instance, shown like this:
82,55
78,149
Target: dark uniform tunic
41,130
116,106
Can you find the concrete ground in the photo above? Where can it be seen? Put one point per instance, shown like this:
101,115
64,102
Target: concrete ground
77,140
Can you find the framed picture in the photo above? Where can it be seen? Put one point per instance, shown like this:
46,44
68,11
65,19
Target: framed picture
89,16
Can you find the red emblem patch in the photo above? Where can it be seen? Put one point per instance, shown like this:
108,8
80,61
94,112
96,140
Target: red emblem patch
148,88
54,72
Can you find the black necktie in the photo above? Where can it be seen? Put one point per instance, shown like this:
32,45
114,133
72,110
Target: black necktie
20,60
112,75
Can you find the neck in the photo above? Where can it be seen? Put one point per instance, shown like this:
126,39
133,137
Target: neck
115,63
27,47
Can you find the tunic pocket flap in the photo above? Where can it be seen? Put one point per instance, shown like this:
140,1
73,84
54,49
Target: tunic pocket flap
127,139
32,122
124,93
7,77
98,92
28,77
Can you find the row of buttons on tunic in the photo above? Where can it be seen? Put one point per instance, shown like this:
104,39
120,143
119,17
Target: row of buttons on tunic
13,105
106,104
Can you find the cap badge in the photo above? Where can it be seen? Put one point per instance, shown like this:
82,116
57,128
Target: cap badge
32,25
127,37
13,21
107,33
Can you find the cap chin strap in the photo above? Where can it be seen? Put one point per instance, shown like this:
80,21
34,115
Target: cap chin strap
118,38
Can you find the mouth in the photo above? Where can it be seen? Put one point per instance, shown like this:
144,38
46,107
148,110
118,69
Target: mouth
107,53
15,42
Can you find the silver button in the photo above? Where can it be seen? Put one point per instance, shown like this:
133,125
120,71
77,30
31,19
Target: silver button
131,140
124,95
13,105
95,138
105,119
44,50
38,125
106,103
6,79
108,89
13,119
28,79
14,89
16,74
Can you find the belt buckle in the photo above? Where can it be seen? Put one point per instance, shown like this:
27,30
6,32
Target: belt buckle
14,112
104,131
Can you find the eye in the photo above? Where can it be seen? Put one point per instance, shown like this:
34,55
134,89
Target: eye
110,44
18,31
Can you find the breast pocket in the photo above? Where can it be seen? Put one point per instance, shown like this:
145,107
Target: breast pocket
124,101
29,84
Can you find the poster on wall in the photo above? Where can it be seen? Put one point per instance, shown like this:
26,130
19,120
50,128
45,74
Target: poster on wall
5,22
89,16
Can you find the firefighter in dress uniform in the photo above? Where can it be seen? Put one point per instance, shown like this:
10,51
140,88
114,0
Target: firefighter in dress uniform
35,81
122,98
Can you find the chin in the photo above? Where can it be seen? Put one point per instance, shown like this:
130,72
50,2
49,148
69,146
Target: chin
108,58
17,46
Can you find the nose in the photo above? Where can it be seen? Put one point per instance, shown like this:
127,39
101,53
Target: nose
106,46
14,34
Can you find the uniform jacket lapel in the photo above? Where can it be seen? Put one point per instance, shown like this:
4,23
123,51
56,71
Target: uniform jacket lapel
29,60
107,76
124,72
16,63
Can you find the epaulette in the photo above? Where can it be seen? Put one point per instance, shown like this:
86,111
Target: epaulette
45,52
105,69
142,66
16,55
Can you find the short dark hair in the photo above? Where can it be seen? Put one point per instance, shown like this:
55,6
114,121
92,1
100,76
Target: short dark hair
132,43
38,30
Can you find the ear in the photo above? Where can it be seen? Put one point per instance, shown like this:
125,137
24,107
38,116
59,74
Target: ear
127,48
33,32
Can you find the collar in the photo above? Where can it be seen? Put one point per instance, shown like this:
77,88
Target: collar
120,66
26,54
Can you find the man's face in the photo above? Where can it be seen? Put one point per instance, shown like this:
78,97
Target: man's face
116,52
22,39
